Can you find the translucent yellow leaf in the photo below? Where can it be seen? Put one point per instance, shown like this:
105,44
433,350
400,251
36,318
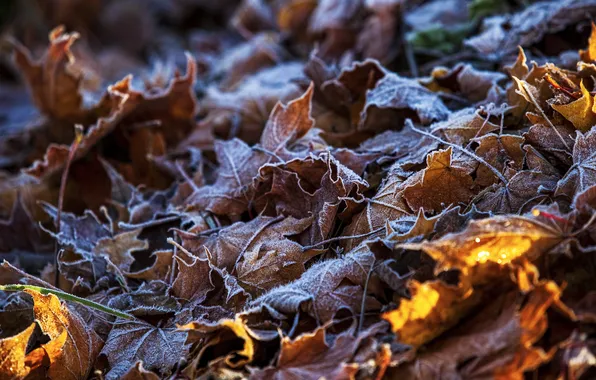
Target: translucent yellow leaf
433,309
581,112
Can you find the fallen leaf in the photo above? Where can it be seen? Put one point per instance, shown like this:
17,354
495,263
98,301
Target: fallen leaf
160,349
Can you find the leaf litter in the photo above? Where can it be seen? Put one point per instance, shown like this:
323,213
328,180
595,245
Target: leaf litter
297,189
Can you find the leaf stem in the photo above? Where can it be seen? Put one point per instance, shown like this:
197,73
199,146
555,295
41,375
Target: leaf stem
67,297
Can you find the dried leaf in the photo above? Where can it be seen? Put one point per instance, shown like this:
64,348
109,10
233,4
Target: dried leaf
395,96
500,240
581,112
160,349
310,357
582,174
434,308
72,348
440,185
15,364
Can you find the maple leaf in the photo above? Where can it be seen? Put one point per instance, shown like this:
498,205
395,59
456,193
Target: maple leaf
581,112
119,248
288,123
487,344
54,82
227,247
230,194
310,357
441,184
138,372
72,348
215,334
500,151
433,308
190,268
589,55
82,232
462,126
18,224
173,107
465,79
344,93
387,204
502,35
243,111
393,94
582,174
56,155
306,187
325,288
522,189
16,363
160,349
150,299
406,145
158,270
500,240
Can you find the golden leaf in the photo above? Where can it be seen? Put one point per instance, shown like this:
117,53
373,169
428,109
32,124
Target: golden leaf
13,362
434,308
581,112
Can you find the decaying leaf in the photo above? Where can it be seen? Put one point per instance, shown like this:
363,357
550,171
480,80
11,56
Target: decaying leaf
73,347
298,189
500,240
158,348
434,308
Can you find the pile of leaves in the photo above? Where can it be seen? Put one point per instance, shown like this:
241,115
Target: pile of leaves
297,189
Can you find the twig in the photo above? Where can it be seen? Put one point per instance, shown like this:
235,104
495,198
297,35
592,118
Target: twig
71,155
67,297
338,238
466,152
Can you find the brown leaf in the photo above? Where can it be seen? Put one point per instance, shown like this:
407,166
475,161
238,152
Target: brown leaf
464,79
306,187
160,349
487,344
462,126
589,55
582,173
244,111
325,288
217,337
53,81
288,123
191,268
387,204
397,97
226,248
440,185
119,248
230,194
500,151
72,348
148,300
173,107
138,372
20,231
310,357
522,190
502,36
82,232
56,155
158,270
